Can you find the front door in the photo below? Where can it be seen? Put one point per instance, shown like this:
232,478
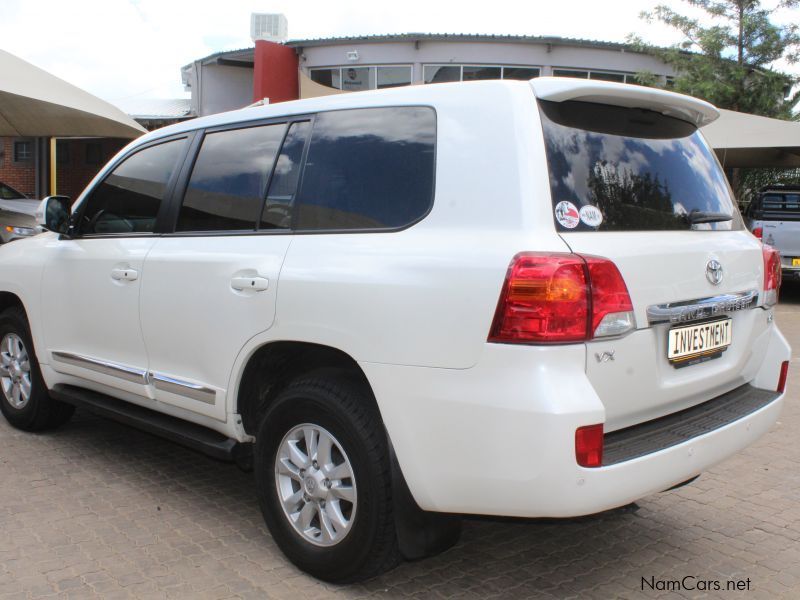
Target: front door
91,283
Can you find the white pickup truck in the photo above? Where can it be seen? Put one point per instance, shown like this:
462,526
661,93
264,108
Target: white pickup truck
774,217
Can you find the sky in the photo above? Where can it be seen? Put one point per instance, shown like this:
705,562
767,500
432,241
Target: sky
121,50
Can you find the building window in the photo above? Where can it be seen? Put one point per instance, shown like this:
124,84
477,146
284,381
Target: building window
94,153
617,76
62,152
444,73
356,79
23,151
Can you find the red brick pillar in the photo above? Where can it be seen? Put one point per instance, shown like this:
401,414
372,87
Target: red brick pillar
275,72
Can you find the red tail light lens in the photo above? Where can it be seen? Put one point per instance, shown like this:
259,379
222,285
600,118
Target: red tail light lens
589,445
772,274
782,378
558,297
544,299
758,232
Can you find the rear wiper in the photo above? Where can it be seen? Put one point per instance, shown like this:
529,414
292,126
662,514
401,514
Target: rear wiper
701,216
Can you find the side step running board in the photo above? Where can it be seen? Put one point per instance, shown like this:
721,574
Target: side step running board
190,435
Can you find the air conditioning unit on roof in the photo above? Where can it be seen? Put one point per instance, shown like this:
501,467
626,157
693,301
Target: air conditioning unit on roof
269,26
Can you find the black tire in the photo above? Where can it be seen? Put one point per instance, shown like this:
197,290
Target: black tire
40,412
346,409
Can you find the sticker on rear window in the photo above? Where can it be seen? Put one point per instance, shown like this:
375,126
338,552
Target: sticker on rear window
591,215
567,214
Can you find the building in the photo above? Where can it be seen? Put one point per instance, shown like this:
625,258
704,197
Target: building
307,68
78,159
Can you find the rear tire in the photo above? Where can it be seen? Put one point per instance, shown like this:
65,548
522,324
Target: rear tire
24,400
324,481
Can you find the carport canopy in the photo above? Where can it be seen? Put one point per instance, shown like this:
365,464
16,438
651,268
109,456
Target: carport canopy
34,103
743,140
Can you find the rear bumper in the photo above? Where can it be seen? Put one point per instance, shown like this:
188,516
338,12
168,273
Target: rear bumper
498,438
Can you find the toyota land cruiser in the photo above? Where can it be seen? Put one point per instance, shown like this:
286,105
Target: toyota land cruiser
533,299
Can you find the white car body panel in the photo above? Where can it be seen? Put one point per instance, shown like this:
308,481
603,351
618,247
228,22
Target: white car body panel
477,427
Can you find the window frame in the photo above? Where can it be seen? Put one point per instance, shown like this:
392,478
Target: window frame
501,66
161,217
185,171
374,67
627,76
23,161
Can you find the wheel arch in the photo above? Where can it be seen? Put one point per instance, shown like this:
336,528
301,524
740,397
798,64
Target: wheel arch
274,365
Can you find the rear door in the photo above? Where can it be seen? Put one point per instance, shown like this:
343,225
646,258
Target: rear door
212,284
646,191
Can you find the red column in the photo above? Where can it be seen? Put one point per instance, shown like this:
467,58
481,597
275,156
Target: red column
275,72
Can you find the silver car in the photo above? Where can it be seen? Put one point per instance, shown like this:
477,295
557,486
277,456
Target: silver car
17,214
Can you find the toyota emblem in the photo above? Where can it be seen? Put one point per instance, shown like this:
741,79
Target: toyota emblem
714,272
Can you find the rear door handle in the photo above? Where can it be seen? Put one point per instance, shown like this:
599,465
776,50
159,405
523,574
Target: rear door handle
124,274
257,284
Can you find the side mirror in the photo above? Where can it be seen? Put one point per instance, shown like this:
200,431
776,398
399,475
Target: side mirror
53,214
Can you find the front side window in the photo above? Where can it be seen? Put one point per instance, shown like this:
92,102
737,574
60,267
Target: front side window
229,179
9,193
368,169
642,170
128,199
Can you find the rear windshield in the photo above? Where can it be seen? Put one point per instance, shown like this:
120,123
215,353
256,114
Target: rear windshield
777,206
627,169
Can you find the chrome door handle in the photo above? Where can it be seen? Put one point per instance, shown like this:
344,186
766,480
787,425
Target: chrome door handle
257,284
123,274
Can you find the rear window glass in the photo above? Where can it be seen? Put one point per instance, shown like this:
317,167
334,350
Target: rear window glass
776,206
368,168
625,169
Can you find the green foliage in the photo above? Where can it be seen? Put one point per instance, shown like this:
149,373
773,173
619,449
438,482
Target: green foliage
730,61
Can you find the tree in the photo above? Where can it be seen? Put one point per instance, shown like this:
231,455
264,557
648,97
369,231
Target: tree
731,62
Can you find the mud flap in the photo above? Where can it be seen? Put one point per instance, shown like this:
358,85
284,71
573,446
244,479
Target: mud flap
419,533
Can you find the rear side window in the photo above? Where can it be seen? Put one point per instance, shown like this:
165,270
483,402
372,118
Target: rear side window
368,169
229,179
277,213
128,200
625,169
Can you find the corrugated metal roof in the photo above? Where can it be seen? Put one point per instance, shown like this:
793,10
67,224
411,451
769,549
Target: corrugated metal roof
156,108
246,54
462,37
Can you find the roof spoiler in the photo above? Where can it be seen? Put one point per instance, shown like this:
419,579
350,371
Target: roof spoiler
560,89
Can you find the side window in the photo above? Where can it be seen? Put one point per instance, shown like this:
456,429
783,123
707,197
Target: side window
368,169
229,178
128,199
277,213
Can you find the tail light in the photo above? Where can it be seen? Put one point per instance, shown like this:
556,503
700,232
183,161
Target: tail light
782,377
758,232
772,274
559,297
589,445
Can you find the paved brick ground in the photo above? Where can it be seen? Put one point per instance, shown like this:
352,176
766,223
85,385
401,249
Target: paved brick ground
99,510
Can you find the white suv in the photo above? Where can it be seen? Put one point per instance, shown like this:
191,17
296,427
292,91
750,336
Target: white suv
533,299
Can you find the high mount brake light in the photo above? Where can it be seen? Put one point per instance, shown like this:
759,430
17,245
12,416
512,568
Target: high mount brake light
560,297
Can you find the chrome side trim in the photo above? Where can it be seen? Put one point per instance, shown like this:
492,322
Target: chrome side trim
105,367
691,310
183,388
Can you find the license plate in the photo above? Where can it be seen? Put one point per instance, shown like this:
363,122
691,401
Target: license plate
690,344
796,262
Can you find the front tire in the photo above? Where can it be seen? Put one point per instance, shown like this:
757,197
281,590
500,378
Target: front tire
24,400
324,480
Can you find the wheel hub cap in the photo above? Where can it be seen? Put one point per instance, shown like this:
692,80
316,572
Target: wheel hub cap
316,485
15,371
